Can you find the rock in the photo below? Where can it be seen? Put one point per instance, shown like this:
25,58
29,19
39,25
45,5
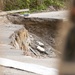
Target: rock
40,43
20,39
31,37
26,14
40,49
52,8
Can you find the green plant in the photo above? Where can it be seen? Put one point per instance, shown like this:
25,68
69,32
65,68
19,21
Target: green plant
58,3
33,5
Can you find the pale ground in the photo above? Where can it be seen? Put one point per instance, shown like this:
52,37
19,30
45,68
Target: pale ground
7,51
54,15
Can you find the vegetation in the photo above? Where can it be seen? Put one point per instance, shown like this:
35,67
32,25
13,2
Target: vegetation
33,5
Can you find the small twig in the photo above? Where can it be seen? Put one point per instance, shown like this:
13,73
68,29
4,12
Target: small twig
33,51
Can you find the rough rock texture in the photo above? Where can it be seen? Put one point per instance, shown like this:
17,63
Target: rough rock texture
44,28
28,43
20,40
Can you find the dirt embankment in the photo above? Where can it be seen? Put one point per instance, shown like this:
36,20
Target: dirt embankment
44,28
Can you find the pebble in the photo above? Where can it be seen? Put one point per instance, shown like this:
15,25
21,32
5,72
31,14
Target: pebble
40,49
40,43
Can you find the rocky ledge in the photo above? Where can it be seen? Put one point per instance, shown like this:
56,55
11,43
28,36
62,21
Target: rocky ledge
45,28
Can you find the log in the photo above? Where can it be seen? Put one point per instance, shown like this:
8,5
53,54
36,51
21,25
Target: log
13,11
38,69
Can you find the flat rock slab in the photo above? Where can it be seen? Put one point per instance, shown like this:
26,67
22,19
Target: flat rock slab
54,15
37,69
